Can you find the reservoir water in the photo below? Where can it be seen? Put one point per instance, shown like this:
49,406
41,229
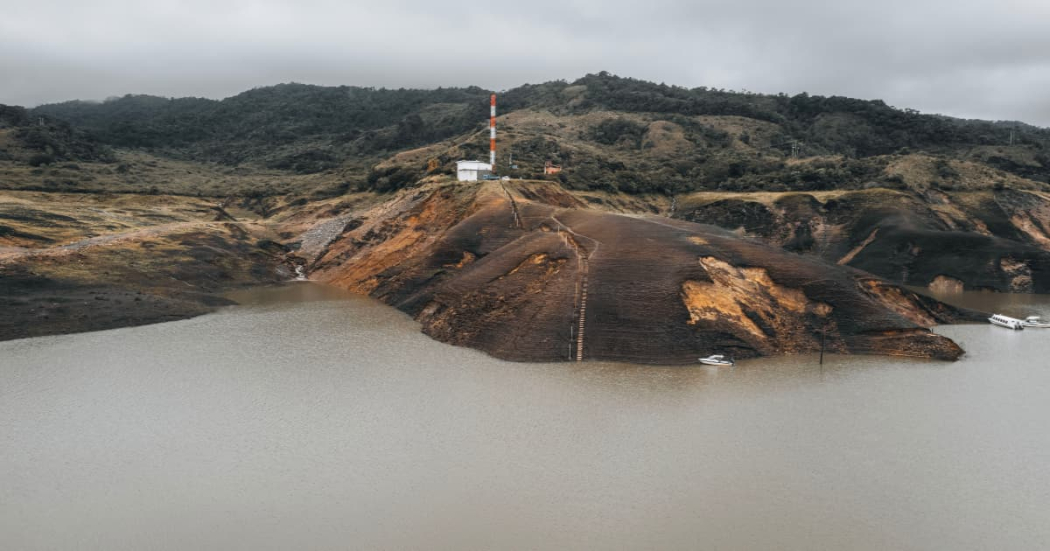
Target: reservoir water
309,419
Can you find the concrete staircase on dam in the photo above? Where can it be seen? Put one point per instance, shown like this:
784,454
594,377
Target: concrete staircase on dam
583,309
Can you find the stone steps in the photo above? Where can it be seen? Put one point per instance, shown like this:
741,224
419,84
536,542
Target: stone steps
583,313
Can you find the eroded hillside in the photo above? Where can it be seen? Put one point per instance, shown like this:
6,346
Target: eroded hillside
521,270
526,271
80,262
982,239
682,222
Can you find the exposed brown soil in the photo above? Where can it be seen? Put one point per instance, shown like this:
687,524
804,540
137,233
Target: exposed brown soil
521,270
101,262
987,239
523,280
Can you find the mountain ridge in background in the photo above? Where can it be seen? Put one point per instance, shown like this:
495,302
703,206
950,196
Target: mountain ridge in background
356,186
729,138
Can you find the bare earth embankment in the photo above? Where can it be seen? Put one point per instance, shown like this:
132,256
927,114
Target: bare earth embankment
520,270
80,262
526,271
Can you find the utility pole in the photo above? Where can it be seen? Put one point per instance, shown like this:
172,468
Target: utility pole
823,339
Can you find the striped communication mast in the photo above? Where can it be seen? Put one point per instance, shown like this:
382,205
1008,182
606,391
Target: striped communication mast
492,133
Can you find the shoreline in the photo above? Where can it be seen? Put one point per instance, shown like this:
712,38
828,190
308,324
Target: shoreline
95,309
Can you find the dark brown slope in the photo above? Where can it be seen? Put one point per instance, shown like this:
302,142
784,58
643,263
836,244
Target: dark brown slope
979,239
648,290
86,262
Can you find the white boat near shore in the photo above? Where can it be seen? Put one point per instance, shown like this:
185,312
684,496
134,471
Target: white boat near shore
717,359
1036,321
1007,322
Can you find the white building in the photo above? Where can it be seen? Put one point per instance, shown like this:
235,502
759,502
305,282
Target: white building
472,171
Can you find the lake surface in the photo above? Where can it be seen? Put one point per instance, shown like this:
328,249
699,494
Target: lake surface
309,419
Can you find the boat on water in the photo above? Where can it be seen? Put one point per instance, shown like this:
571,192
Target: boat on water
1007,322
717,359
1036,321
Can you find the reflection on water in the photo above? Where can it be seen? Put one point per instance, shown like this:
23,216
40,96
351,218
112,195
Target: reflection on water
308,418
291,293
1013,305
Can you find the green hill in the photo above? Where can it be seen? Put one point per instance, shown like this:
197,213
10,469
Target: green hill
608,132
37,139
289,126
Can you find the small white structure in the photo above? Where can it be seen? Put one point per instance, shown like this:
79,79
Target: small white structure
472,171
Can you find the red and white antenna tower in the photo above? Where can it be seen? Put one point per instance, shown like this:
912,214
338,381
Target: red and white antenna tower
492,133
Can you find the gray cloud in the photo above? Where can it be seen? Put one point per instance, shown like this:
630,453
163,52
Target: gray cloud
965,58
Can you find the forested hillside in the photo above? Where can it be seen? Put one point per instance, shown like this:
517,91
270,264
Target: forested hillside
606,131
39,140
289,126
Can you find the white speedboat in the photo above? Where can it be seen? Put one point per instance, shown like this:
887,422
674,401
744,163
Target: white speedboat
717,359
1036,321
1007,322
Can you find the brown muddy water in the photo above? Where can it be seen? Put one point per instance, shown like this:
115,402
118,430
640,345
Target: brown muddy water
308,419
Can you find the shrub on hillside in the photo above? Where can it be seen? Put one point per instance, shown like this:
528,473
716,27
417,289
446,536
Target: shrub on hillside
392,178
41,159
613,131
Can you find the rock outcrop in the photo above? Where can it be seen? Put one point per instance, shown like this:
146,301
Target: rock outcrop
988,239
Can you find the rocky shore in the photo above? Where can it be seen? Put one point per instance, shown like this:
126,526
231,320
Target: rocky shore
98,262
520,270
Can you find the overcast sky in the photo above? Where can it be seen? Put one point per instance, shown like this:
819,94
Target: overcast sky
978,59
